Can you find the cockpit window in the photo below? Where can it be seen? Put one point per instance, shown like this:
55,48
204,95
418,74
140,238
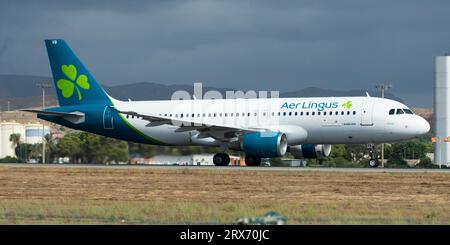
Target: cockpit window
408,111
391,111
400,111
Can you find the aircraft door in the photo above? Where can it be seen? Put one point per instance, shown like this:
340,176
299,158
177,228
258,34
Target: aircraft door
367,113
108,118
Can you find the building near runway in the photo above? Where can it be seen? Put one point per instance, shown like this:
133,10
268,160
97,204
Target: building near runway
187,160
30,133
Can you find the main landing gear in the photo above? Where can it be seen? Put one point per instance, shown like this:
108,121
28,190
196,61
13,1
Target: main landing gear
221,159
373,153
252,161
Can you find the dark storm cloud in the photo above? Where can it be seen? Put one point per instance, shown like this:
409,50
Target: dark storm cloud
5,43
283,45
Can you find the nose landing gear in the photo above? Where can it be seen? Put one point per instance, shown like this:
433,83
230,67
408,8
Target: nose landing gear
373,153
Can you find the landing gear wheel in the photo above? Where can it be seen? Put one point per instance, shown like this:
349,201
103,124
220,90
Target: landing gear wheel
373,153
373,163
252,161
221,159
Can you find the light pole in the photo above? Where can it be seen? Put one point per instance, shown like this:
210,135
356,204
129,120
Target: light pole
43,86
382,87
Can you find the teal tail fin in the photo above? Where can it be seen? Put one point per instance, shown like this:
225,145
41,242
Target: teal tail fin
74,83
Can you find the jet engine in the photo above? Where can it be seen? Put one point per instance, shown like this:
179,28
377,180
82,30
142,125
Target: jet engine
263,144
310,151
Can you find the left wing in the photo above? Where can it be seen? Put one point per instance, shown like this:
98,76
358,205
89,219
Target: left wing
216,130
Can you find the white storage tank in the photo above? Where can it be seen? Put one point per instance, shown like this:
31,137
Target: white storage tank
33,133
441,110
6,129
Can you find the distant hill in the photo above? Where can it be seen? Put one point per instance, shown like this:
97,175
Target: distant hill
22,91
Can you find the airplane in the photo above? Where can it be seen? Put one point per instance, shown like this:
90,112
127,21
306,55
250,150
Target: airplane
259,127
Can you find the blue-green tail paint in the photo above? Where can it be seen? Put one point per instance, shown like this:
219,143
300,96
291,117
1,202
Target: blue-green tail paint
78,91
74,83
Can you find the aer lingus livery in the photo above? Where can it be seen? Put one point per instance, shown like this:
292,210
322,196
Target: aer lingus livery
260,127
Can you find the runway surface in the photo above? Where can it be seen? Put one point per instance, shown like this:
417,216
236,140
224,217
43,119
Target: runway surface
231,168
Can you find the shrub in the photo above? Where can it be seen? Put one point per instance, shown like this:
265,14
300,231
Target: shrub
9,159
426,163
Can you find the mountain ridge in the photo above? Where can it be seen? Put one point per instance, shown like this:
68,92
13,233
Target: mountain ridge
22,91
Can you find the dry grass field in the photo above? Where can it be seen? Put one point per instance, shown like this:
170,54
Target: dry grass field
193,196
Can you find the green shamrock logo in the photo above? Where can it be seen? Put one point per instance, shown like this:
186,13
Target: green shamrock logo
67,86
347,105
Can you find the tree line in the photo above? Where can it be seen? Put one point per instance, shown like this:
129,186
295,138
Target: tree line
84,147
79,147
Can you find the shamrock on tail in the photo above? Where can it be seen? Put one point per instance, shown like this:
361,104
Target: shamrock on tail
67,86
347,105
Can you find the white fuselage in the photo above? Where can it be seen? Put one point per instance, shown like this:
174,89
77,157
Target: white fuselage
326,120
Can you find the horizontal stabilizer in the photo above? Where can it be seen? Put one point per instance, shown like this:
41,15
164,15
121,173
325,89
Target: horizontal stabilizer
74,117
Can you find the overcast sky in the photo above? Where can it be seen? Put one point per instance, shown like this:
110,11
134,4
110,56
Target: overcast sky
261,45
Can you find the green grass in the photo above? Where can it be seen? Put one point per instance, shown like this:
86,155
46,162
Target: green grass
191,196
181,212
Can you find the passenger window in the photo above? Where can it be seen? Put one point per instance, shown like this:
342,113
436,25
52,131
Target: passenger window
290,113
312,113
307,113
348,112
391,111
408,111
354,112
295,113
318,113
400,111
301,113
284,113
336,113
342,112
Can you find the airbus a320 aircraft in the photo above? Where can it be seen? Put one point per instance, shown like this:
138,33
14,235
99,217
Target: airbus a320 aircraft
261,127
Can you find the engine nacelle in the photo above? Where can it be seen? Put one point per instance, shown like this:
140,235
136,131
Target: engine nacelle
310,151
264,144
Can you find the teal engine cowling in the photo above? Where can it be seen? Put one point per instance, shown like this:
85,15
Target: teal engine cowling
310,151
264,144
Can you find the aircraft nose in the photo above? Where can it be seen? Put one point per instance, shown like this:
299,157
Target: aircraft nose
423,126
